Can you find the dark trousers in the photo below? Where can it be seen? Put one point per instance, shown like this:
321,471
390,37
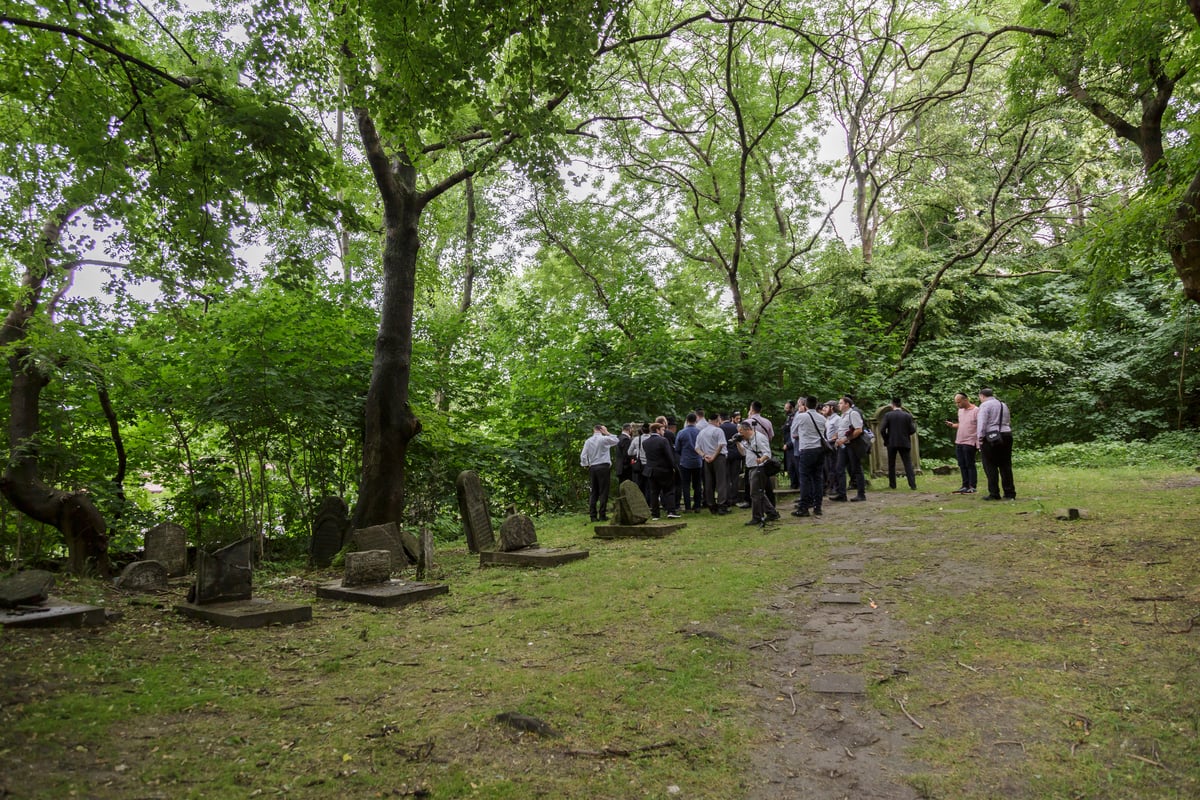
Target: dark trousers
662,492
850,460
600,480
761,506
812,478
791,461
966,465
906,457
997,466
733,478
716,485
831,472
692,484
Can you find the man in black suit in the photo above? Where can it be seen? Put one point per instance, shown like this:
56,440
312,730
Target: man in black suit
897,431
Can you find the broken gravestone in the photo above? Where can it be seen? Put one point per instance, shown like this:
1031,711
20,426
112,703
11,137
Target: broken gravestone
25,602
328,531
368,579
519,547
516,533
366,567
223,588
166,543
381,537
142,576
472,505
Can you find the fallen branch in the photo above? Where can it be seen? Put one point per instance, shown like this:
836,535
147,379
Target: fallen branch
621,752
910,716
804,583
1009,741
768,643
1165,598
1154,763
966,666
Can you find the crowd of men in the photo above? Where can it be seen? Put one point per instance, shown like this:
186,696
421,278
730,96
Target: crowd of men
719,461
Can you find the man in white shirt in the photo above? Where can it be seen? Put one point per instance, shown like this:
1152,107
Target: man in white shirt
711,446
596,457
756,449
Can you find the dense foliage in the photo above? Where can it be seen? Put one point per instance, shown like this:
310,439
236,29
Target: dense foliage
641,230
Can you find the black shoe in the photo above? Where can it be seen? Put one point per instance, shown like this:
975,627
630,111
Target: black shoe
722,510
992,497
1012,497
604,519
891,486
801,513
817,512
961,490
773,517
754,522
841,498
857,499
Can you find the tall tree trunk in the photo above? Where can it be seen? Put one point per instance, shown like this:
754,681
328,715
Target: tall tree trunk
390,422
1185,240
72,513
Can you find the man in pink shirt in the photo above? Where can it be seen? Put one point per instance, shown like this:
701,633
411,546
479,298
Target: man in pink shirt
965,443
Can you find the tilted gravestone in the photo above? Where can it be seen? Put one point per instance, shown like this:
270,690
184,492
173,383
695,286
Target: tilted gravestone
166,543
472,505
25,602
26,588
222,592
328,531
632,508
224,575
366,567
516,533
381,537
142,576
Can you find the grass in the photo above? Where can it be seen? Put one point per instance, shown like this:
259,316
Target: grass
1028,659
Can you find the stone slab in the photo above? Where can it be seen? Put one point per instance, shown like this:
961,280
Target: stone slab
531,557
391,594
646,531
879,540
846,551
836,683
253,613
53,613
842,580
849,566
843,599
838,647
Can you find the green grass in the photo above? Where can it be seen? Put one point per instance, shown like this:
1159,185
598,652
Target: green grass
1034,670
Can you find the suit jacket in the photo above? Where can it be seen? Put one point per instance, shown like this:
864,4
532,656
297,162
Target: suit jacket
897,429
660,456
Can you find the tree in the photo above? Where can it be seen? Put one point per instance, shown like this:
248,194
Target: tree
1131,65
101,131
441,91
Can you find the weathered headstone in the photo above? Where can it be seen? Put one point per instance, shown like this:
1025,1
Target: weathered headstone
328,531
516,533
381,537
411,545
366,567
224,575
166,543
26,588
632,508
142,576
472,505
221,594
425,557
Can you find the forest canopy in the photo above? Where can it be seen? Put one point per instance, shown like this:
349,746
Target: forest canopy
396,239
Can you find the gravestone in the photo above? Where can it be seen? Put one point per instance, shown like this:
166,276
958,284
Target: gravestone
26,588
25,602
519,547
328,531
381,537
222,592
142,576
166,543
632,514
367,579
425,556
367,566
517,533
472,505
632,508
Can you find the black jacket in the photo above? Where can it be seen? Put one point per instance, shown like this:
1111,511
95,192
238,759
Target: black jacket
660,456
897,429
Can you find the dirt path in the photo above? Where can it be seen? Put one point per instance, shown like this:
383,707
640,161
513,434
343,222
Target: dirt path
829,744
